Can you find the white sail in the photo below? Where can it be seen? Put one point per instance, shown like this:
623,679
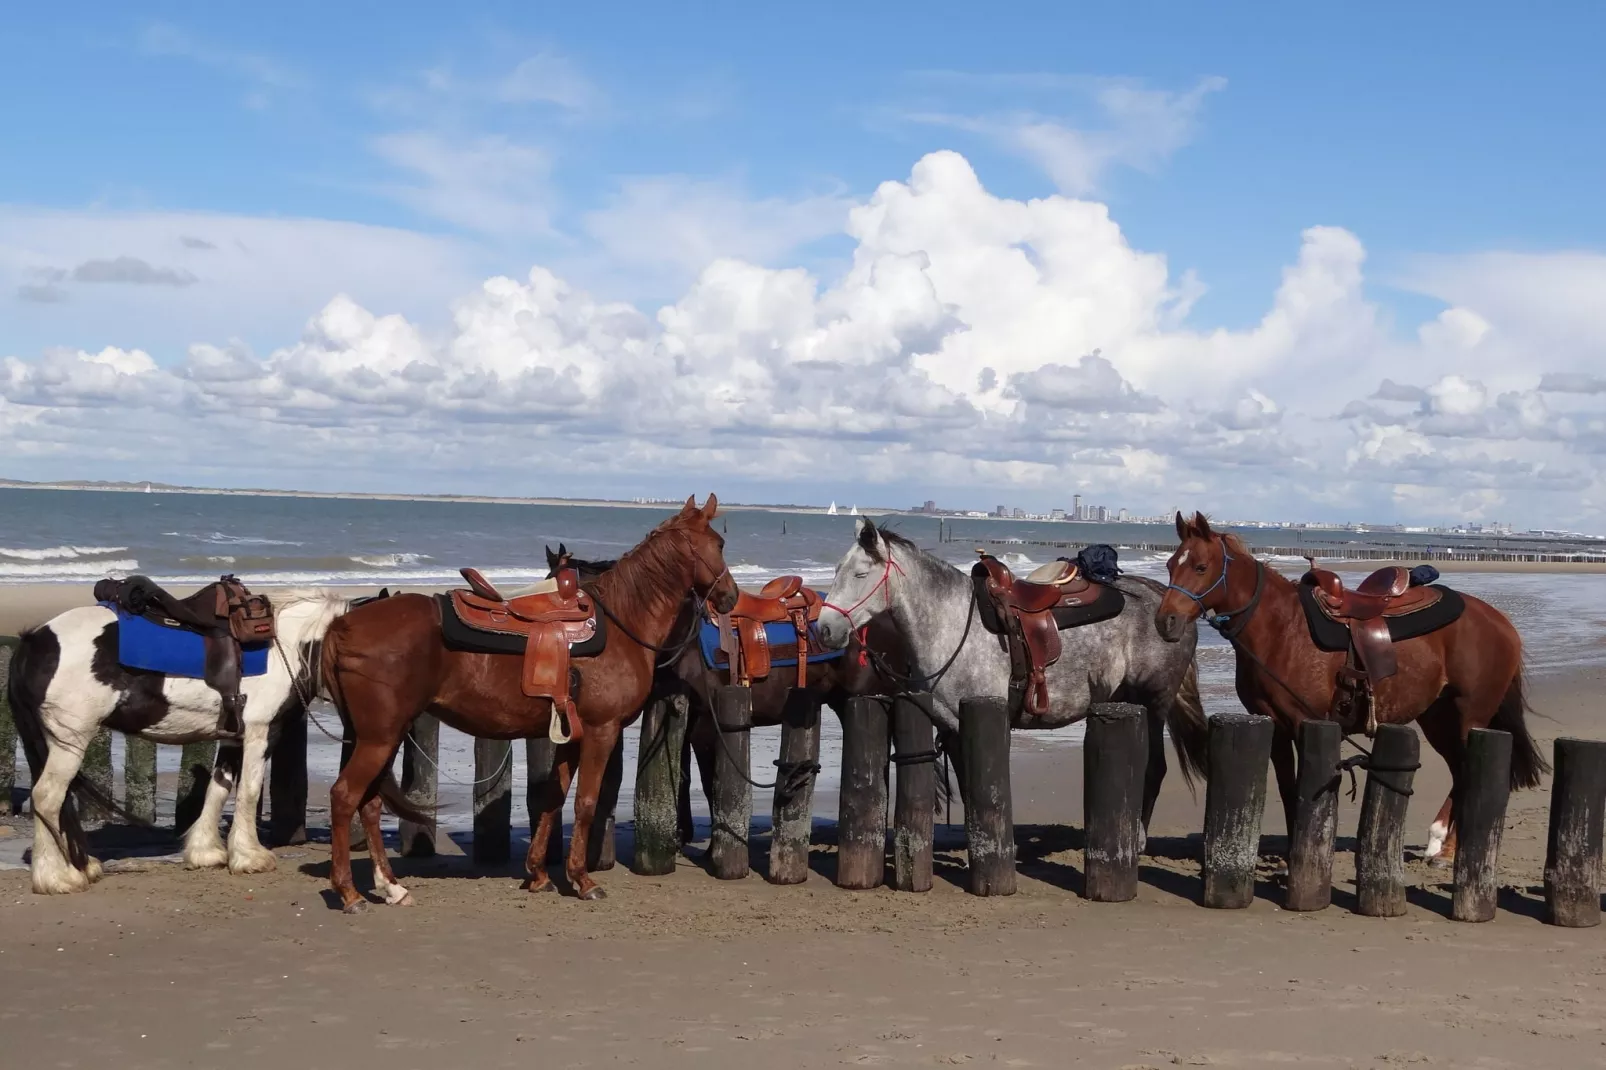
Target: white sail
831,511
854,511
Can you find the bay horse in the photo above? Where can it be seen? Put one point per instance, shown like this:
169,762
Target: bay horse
933,606
66,684
687,672
1464,675
386,663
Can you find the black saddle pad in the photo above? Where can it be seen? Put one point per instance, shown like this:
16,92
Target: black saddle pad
460,636
1329,634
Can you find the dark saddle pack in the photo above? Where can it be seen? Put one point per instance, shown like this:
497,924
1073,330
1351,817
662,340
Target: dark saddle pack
745,633
550,624
1029,614
231,621
1389,606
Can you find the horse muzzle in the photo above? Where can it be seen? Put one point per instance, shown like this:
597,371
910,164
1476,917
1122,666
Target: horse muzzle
1171,626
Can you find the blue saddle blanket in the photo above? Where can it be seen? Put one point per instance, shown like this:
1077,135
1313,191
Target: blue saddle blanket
783,645
144,644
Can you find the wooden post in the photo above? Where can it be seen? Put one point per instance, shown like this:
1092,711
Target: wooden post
914,737
287,784
139,778
1115,758
602,851
420,782
493,801
540,756
732,805
97,769
1380,838
194,773
796,770
1235,801
861,827
1572,858
357,834
1310,841
1480,817
8,731
663,730
989,812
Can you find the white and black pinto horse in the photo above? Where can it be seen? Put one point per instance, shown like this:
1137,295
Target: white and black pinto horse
66,683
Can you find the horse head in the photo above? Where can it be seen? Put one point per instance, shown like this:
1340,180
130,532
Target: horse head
1197,577
862,586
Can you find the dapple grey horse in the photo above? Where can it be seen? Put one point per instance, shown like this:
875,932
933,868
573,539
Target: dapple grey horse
1122,659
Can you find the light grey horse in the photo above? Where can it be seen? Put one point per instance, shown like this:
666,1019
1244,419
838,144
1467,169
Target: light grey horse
1122,659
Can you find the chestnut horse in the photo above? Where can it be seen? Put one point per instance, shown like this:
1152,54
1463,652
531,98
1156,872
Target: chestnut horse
386,662
1465,675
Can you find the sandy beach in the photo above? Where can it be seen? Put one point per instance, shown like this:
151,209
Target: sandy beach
169,968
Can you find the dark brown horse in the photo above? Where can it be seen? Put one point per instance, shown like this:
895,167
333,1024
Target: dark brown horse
386,662
1465,675
833,682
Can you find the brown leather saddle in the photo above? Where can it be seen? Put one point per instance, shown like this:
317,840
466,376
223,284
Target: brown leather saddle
1366,612
1029,613
742,635
224,614
552,617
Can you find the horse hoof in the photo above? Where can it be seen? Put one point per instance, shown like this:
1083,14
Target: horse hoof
543,887
358,906
406,900
593,894
1441,862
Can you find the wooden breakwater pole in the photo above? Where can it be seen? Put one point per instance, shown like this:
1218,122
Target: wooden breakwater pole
1235,801
989,811
862,816
1573,849
420,784
287,783
602,847
731,808
796,770
1310,841
8,728
914,809
1380,837
493,802
1480,817
658,773
1115,758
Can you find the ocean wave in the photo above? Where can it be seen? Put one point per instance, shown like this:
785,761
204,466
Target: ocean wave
60,553
389,560
246,540
56,571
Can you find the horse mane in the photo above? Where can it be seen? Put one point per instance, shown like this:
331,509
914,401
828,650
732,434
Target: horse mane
891,537
651,571
1235,545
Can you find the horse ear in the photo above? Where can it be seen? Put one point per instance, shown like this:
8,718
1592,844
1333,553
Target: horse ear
870,540
551,558
691,504
1182,527
1201,524
710,507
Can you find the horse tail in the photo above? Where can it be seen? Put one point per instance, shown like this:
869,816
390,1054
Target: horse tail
25,693
1527,764
390,792
1190,729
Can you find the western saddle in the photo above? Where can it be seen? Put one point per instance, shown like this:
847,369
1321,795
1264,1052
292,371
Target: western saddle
742,634
1023,612
552,616
1365,611
224,614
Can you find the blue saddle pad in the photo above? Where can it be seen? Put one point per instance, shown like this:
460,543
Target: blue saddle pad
783,646
144,644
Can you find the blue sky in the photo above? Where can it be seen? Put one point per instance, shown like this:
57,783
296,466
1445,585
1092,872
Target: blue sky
509,136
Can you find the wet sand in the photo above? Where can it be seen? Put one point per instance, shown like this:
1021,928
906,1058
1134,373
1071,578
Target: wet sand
158,967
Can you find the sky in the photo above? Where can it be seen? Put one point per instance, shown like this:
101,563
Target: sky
1338,264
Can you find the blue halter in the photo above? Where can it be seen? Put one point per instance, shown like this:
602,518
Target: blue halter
1226,560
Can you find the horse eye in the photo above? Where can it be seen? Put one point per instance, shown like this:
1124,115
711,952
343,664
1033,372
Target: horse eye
1199,569
861,575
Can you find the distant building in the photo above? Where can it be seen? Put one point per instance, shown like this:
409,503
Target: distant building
930,506
1003,510
1076,507
1056,514
1123,516
1020,514
1103,515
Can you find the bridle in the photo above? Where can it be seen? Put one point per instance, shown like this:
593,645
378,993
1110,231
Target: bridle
1230,623
884,585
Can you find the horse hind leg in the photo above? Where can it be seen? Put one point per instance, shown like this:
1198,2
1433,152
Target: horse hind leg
203,844
1440,723
385,882
354,788
51,867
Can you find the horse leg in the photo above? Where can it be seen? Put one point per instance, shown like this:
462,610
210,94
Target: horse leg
385,882
203,844
246,853
52,868
353,787
1283,761
1154,775
596,746
1442,724
557,790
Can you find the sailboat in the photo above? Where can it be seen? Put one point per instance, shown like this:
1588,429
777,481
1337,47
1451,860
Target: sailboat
831,511
853,511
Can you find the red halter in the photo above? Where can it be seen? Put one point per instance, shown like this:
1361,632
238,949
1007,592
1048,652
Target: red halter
885,582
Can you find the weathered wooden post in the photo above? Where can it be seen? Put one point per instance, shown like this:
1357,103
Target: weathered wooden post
97,769
602,849
139,778
861,827
731,808
663,729
914,811
1380,838
540,757
1572,857
358,836
1115,758
194,774
8,729
420,782
287,784
989,810
493,801
796,769
1235,801
1310,841
1480,817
